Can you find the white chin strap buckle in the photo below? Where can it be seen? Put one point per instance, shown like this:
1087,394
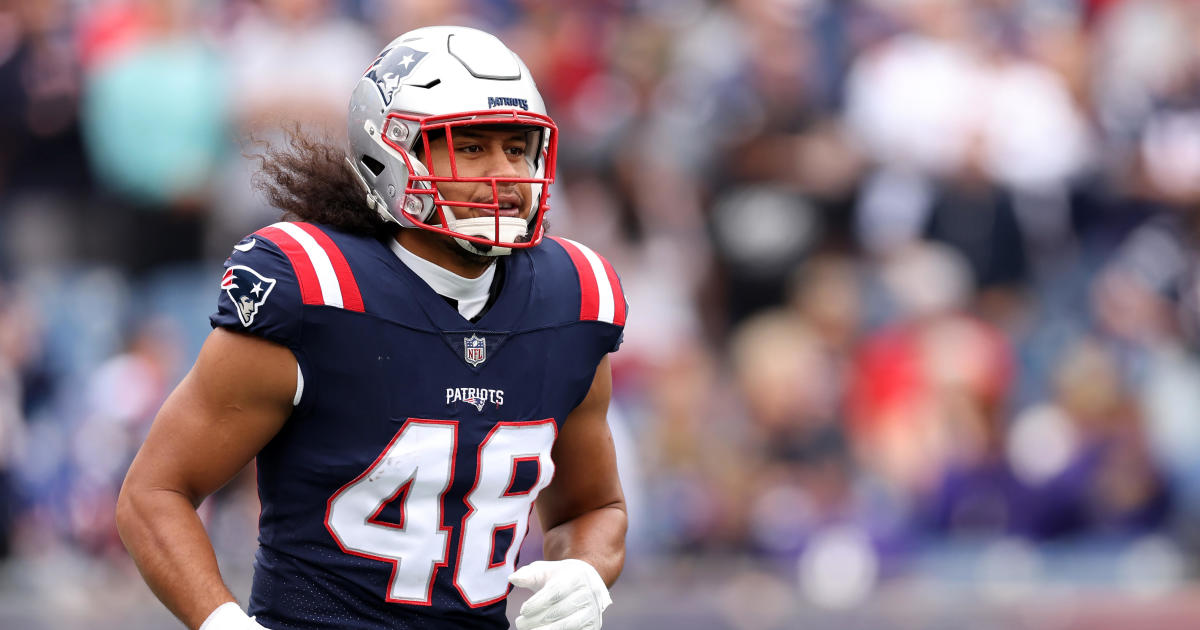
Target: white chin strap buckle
511,229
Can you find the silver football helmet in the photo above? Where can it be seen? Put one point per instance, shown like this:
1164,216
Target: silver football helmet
435,80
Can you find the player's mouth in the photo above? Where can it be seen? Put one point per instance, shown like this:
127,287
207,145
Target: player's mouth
510,205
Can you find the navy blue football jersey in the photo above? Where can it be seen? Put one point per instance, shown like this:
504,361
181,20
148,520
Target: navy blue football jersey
398,492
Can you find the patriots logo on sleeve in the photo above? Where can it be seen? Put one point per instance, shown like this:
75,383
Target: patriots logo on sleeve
401,58
247,289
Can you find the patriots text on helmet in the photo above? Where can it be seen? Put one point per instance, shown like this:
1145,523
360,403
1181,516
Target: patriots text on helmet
504,101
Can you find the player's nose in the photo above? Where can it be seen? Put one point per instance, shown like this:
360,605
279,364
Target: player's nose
499,164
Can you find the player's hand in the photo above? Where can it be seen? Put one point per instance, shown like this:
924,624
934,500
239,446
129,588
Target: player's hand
229,616
568,595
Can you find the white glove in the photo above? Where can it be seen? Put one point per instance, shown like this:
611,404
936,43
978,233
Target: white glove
229,616
568,595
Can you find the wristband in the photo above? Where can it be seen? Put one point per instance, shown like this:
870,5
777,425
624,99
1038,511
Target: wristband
229,616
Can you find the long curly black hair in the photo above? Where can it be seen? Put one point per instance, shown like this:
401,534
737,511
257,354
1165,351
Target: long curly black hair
307,177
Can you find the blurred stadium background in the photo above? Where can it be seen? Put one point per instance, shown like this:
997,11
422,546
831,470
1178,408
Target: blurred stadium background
914,289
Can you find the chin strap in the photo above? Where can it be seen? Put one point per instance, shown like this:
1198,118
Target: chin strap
511,230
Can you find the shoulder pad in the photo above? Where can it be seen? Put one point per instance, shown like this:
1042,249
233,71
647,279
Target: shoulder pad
318,264
275,271
601,296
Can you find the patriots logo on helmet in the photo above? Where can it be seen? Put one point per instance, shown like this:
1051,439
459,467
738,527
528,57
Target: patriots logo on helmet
247,289
396,63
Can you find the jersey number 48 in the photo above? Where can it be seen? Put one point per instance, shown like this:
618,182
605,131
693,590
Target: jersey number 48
416,469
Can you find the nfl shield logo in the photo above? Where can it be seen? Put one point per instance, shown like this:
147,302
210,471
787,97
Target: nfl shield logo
474,350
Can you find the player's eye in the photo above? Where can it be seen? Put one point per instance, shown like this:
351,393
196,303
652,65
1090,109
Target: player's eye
517,151
470,148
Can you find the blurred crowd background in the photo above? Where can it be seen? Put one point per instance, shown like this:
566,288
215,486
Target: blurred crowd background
914,289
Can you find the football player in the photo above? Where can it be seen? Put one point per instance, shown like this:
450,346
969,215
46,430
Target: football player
413,364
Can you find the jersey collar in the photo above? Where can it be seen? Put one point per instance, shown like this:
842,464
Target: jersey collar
471,294
508,313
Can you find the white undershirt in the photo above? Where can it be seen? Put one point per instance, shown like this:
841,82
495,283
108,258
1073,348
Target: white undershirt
470,293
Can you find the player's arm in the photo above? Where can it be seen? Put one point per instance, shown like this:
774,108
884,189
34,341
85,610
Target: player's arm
232,402
583,514
583,509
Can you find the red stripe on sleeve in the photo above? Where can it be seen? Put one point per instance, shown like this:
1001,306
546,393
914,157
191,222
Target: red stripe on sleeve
351,297
589,309
618,294
306,275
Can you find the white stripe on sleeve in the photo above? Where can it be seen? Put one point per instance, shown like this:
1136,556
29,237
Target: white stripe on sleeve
607,307
331,289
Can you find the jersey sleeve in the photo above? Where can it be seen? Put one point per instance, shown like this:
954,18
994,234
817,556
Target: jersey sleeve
259,293
601,296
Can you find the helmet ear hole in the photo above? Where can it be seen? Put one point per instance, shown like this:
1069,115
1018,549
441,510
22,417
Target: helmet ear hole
371,163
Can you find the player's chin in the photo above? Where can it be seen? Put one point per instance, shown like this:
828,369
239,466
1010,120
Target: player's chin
470,257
